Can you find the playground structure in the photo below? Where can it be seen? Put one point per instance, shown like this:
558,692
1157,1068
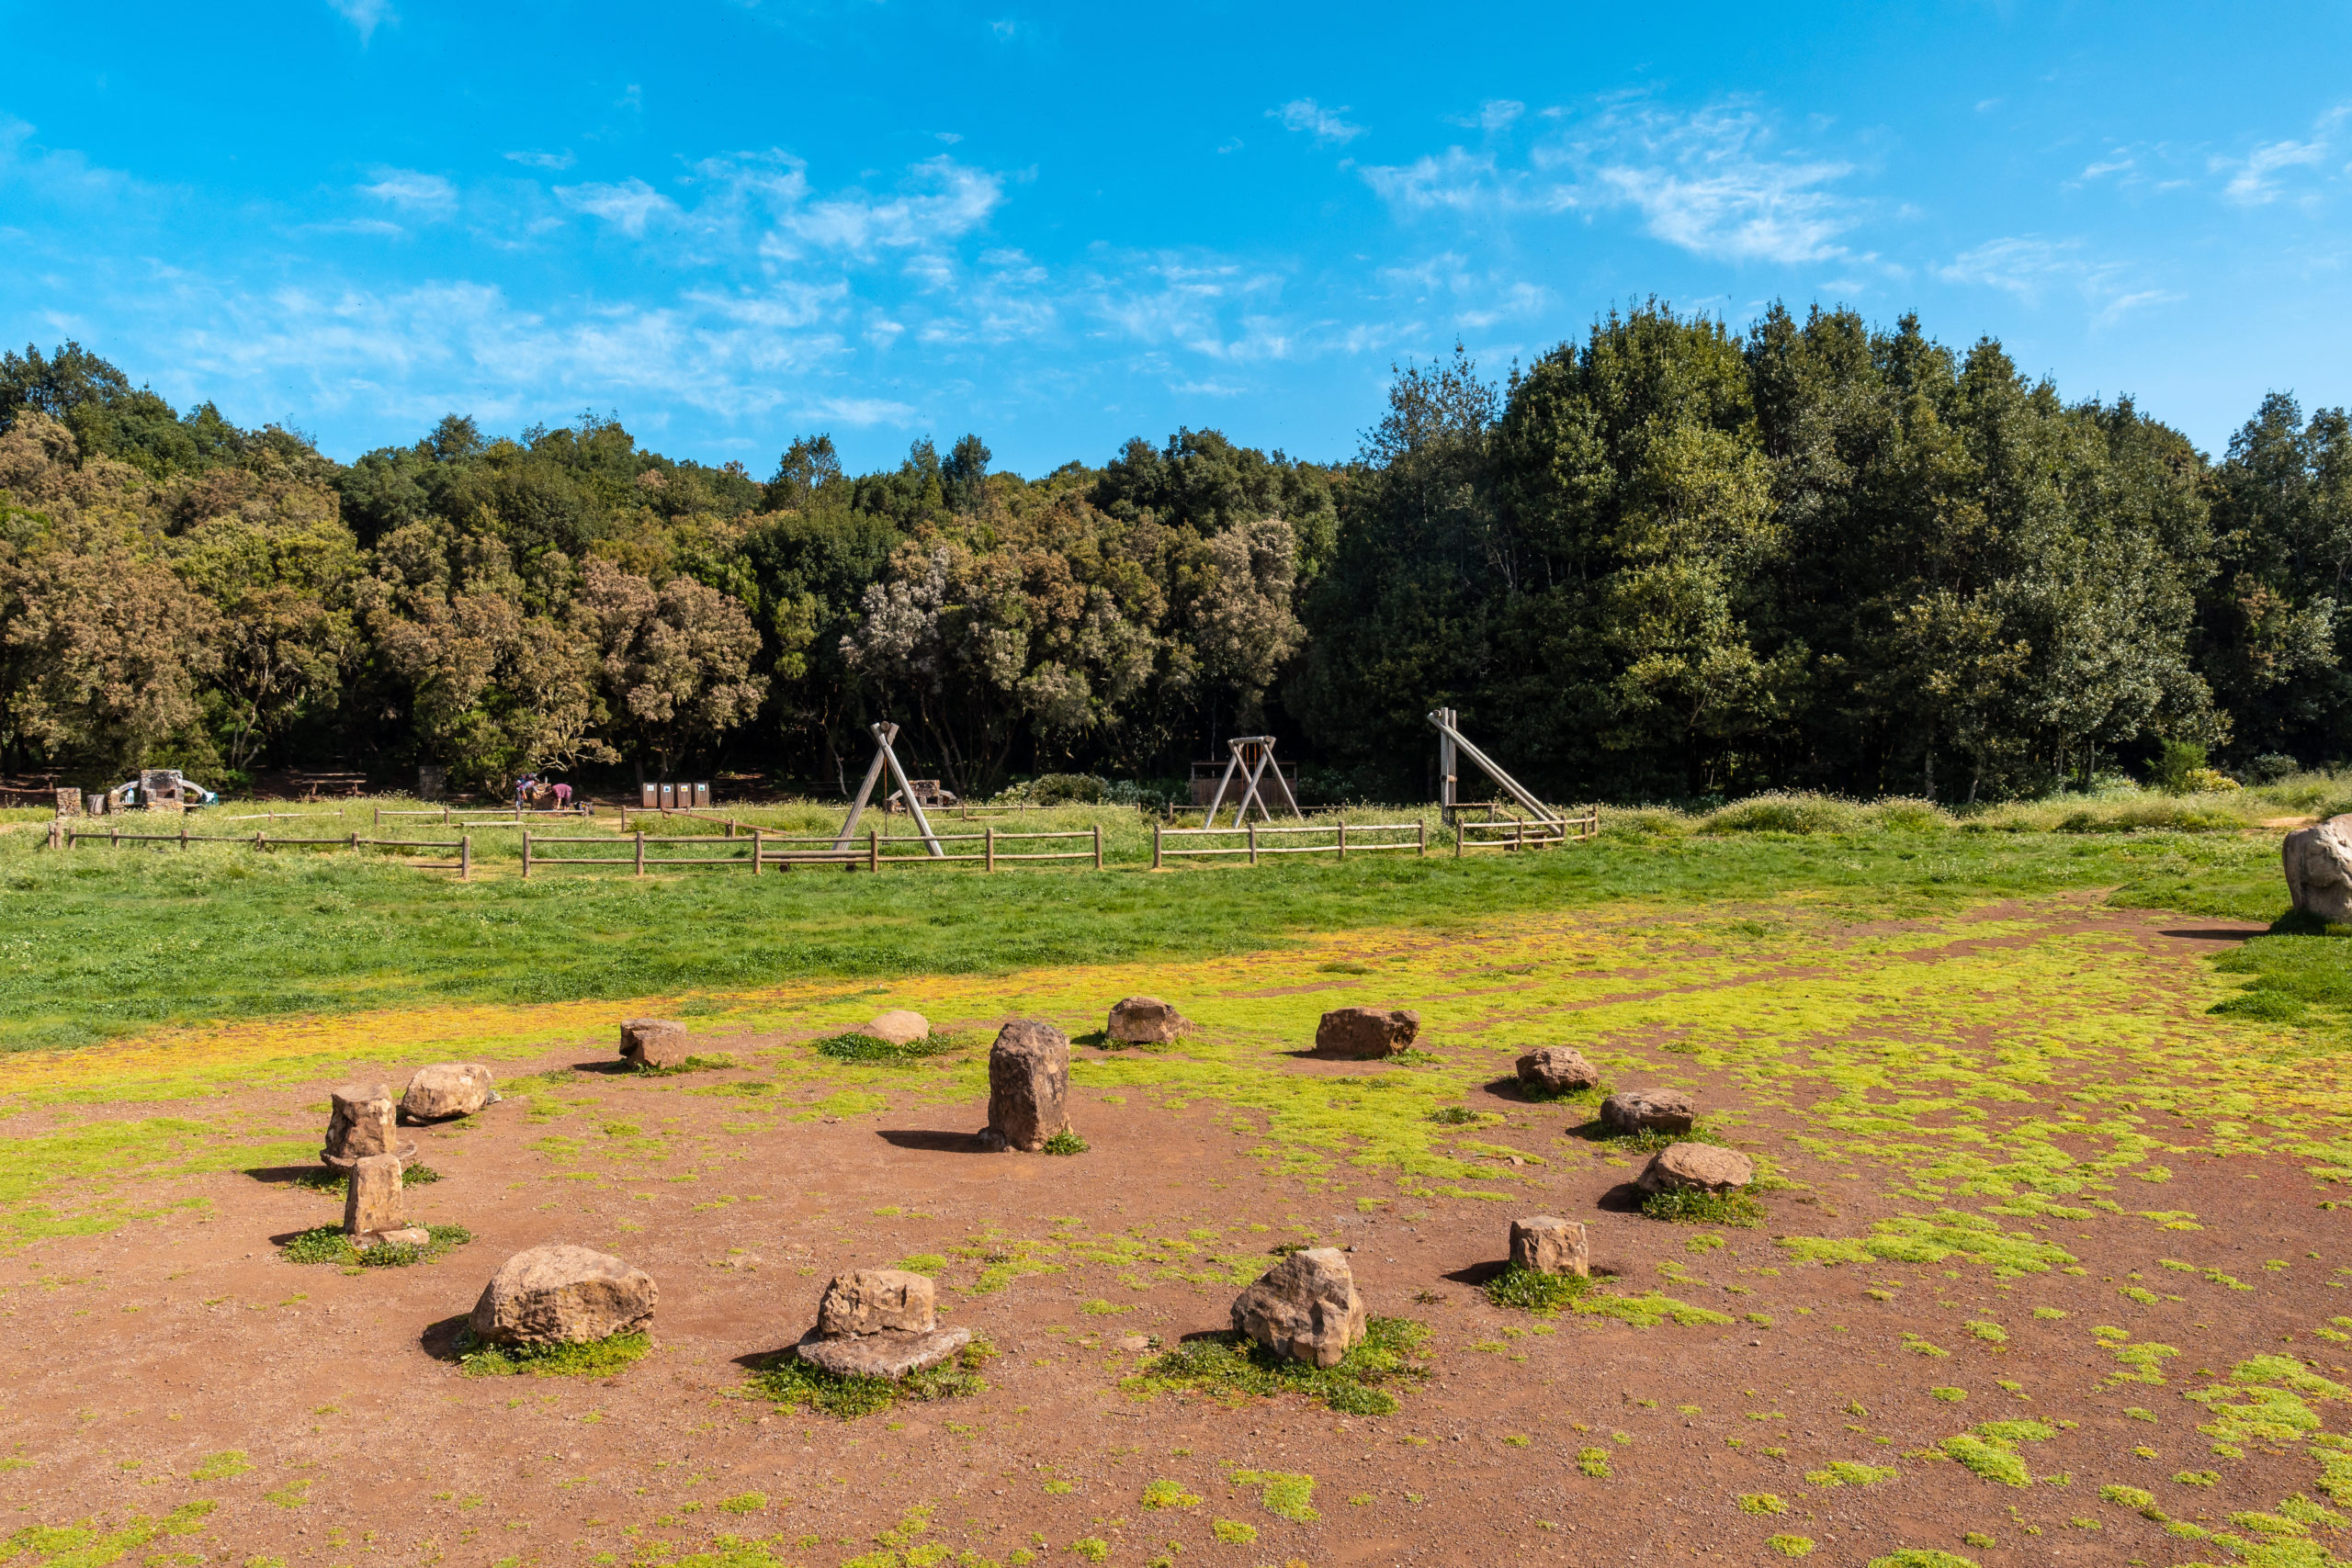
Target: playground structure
1540,826
1256,754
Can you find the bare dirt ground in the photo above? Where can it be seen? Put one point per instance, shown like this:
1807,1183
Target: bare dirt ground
146,1353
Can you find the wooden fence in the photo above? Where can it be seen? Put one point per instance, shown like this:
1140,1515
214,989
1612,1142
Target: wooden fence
1345,837
1513,835
764,850
65,837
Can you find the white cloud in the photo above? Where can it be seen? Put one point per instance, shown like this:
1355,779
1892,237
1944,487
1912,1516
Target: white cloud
2254,182
948,201
365,15
1495,114
1324,125
2033,268
628,206
427,195
556,162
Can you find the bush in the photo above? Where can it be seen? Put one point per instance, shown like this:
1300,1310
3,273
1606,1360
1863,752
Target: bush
870,1051
1533,1290
1058,789
2174,763
2269,768
1691,1207
1785,813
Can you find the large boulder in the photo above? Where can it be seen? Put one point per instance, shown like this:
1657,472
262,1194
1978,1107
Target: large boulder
1696,1167
2319,869
1306,1307
1028,1086
654,1043
889,1354
1647,1110
446,1089
1556,1069
1550,1246
362,1120
1366,1035
1145,1021
874,1300
560,1294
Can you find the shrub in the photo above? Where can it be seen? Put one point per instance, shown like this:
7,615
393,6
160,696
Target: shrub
1690,1207
1066,1143
795,1385
868,1050
592,1358
1058,789
2269,768
2174,763
1224,1365
1533,1290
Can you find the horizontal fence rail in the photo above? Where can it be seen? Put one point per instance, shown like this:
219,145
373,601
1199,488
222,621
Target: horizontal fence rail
1515,834
1345,837
65,837
760,849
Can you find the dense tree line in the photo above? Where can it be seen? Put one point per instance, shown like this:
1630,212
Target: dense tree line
1667,562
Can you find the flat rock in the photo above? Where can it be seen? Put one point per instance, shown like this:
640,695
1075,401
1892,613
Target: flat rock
876,1301
1366,1035
1306,1307
1558,1069
1647,1110
1145,1021
2318,861
1028,1084
1696,1167
403,1236
1550,1246
654,1043
372,1202
560,1294
446,1089
899,1027
889,1354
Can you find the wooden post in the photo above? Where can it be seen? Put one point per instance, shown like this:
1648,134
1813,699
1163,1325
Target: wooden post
1343,838
873,850
1098,846
1421,837
759,838
640,852
1155,846
445,814
988,834
57,832
730,827
183,833
527,855
464,857
354,843
1519,836
1253,842
379,820
258,842
1461,831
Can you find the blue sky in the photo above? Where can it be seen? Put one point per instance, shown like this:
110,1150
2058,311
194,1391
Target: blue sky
729,222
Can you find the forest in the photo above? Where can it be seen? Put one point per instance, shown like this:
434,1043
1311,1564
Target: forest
1671,562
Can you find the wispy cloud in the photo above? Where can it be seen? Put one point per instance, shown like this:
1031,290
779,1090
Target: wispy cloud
2033,268
555,162
1325,126
425,196
628,206
365,15
944,200
2254,179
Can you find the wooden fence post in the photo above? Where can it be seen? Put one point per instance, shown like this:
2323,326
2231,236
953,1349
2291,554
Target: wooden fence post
354,843
1098,846
988,833
464,857
1155,846
1343,838
1421,837
759,836
379,820
114,834
527,855
1461,831
1519,836
640,852
1253,843
259,842
874,849
183,833
57,832
445,814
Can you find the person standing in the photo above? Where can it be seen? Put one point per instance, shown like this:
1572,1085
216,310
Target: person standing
562,797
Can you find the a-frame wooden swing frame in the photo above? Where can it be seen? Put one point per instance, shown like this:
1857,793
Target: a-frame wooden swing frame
884,756
1255,753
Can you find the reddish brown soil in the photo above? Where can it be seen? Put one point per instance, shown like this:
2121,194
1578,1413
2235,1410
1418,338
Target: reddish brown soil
139,1352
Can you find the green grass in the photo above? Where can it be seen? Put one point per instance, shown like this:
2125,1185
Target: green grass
1533,1290
594,1358
1232,1366
867,1050
133,940
327,1243
797,1385
1066,1143
1693,1208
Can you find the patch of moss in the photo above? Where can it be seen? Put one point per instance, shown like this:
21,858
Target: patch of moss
1534,1290
1847,1473
796,1384
327,1243
1232,1366
1287,1492
592,1358
868,1051
1689,1207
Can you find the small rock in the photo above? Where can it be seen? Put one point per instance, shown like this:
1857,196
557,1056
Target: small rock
363,1123
1558,1069
372,1201
2318,861
1647,1110
1305,1307
654,1043
406,1235
1366,1035
560,1294
899,1027
446,1089
1028,1086
1145,1021
1135,1342
874,1299
1550,1246
1696,1167
890,1354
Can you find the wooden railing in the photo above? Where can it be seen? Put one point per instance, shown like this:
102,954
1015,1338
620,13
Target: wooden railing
1345,837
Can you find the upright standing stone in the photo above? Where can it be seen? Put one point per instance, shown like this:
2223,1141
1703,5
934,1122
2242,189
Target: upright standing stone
654,1043
560,1294
1551,1246
446,1089
373,1211
1145,1021
1306,1307
1028,1086
1366,1035
2318,861
363,1124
